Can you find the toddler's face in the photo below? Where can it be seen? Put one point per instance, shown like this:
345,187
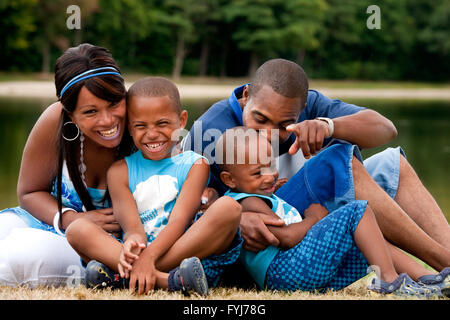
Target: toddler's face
256,177
154,123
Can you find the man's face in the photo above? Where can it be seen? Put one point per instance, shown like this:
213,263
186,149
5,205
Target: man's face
269,110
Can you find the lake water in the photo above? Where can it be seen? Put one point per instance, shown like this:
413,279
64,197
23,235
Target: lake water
424,134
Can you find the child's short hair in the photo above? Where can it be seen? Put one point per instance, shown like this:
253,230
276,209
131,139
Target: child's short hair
156,87
235,145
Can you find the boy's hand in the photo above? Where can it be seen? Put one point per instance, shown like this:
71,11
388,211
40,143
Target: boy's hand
143,274
316,211
129,254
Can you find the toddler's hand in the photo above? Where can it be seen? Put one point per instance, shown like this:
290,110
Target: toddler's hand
129,254
280,183
316,211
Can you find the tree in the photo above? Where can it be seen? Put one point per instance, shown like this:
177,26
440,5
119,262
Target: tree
437,33
51,23
88,8
119,25
182,17
431,49
351,50
17,24
208,28
264,27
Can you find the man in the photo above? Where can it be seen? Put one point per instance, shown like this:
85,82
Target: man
307,121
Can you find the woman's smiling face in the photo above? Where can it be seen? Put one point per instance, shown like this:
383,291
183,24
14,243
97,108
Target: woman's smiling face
100,121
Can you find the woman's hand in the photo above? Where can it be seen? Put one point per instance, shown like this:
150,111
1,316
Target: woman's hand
209,195
101,217
131,250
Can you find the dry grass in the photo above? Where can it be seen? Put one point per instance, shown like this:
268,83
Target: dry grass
356,291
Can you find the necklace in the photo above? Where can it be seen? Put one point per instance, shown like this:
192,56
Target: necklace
82,166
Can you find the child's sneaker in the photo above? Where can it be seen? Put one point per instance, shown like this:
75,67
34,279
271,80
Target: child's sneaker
99,276
403,286
441,280
189,276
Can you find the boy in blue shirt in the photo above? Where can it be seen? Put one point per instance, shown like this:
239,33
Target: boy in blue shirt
156,194
318,250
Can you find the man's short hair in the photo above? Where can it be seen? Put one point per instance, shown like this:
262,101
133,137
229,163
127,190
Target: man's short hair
156,87
285,77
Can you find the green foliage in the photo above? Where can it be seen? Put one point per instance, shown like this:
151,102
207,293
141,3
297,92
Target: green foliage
219,37
17,21
17,27
436,32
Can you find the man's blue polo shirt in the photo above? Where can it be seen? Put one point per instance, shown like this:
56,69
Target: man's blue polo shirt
227,114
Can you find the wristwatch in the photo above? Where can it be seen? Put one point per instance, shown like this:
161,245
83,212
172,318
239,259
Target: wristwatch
330,125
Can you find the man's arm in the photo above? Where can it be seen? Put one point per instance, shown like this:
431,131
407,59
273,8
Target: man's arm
255,218
363,127
287,236
366,128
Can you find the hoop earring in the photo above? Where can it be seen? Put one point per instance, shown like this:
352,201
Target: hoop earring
78,131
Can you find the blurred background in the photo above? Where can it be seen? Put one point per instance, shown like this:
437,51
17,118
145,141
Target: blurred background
329,38
401,70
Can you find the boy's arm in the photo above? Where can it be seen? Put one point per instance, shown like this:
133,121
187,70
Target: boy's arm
257,205
124,207
183,212
292,234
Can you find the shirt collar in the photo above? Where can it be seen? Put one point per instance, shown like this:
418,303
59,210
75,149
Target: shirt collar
234,103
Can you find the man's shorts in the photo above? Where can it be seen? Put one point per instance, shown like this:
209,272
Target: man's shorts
327,178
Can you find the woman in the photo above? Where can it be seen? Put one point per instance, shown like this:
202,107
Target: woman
63,176
63,170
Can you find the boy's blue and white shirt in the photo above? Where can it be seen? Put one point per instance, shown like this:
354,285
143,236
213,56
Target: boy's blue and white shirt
258,263
155,186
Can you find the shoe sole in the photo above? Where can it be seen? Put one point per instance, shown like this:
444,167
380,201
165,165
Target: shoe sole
191,271
376,294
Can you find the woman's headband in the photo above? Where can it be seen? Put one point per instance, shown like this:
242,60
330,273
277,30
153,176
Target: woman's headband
86,75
